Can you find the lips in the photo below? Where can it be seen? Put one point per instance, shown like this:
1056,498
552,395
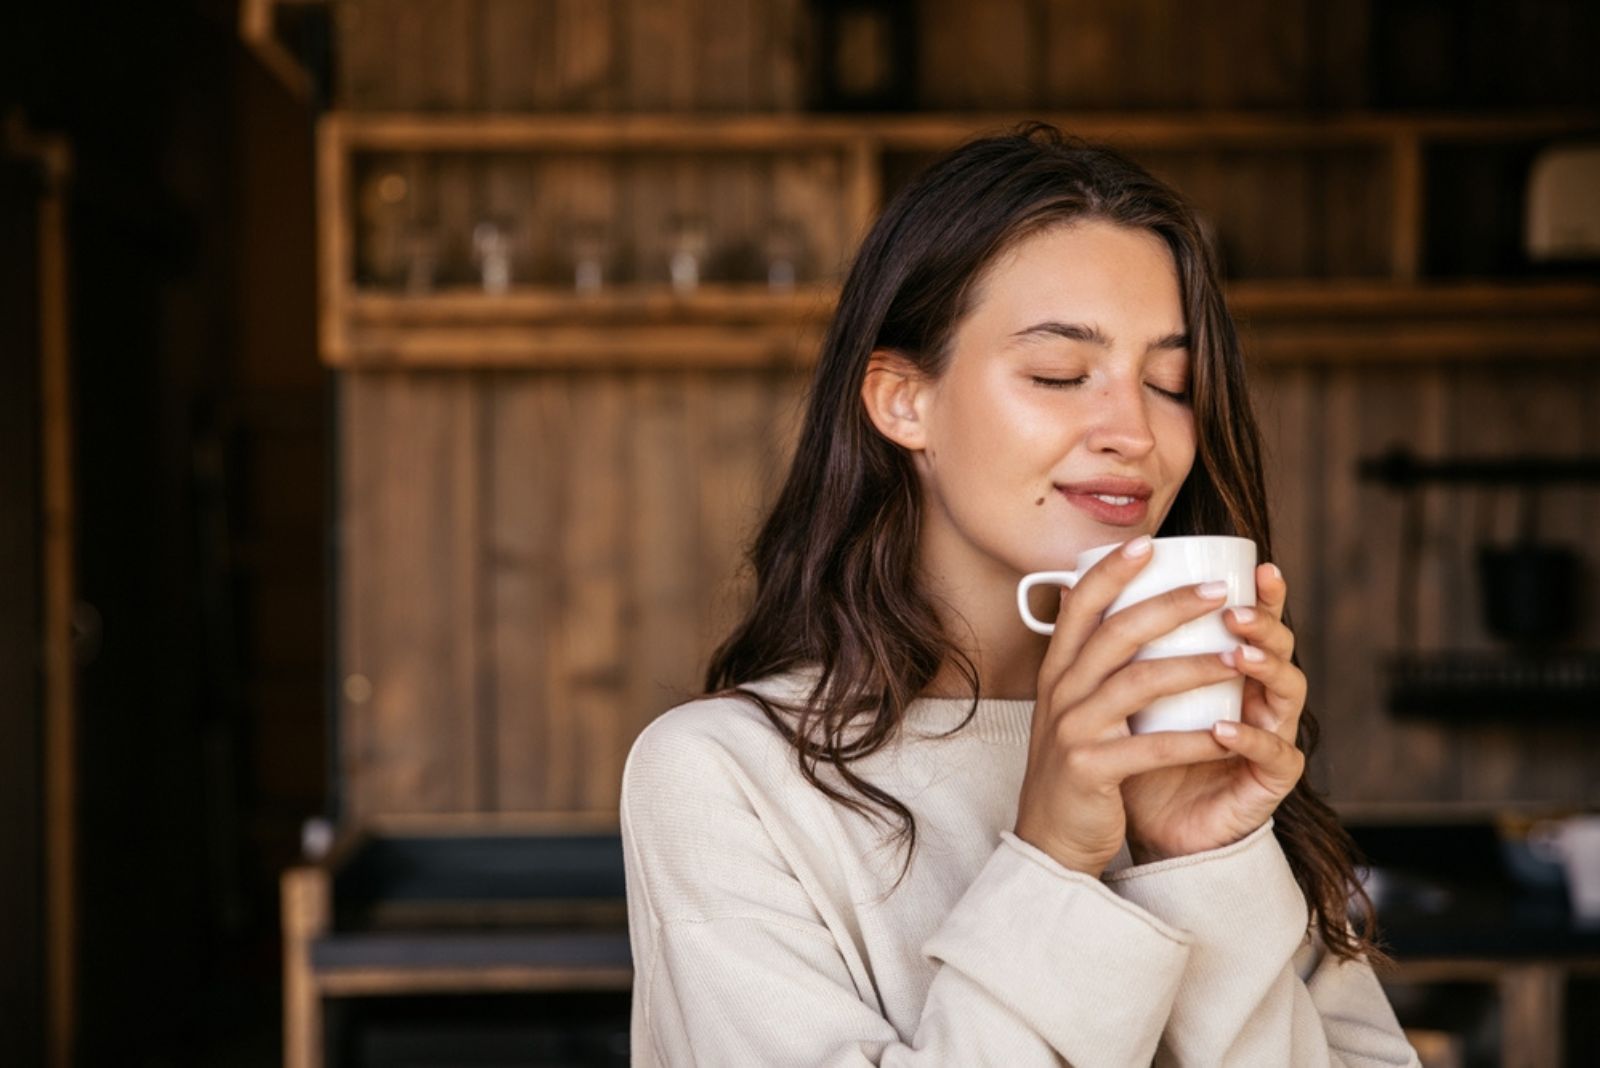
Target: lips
1117,502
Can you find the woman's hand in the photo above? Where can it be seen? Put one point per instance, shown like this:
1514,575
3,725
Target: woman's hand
1175,811
1081,752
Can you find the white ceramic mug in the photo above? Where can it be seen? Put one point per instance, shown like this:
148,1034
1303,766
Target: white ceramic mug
1175,562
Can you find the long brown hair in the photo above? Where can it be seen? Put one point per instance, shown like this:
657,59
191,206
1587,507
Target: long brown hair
837,587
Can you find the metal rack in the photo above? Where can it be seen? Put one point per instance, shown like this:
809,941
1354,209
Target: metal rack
1462,684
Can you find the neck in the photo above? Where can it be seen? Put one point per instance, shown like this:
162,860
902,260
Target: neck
981,618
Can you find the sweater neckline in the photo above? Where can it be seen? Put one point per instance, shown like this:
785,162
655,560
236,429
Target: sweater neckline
1004,721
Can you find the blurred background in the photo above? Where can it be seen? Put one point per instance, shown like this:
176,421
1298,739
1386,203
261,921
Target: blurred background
391,387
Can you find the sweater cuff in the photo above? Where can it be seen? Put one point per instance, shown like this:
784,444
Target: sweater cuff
1090,972
1232,896
1246,916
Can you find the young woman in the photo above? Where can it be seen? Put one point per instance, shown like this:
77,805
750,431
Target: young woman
904,829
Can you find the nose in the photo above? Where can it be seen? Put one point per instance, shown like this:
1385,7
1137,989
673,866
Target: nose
1122,421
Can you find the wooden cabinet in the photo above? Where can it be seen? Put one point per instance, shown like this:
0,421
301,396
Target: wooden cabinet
1323,220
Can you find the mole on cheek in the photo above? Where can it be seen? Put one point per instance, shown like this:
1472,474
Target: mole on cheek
1039,501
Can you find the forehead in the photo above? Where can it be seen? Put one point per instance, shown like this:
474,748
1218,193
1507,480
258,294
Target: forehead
1115,277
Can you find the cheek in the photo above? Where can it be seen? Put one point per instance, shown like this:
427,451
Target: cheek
1176,442
968,428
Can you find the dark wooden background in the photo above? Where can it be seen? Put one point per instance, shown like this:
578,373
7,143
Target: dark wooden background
533,564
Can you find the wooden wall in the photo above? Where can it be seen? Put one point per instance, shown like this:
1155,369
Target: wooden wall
534,564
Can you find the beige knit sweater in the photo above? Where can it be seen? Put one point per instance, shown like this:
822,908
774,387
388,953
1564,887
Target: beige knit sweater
764,930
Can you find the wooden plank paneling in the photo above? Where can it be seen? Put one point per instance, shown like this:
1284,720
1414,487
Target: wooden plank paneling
1337,33
589,675
728,36
724,415
587,649
530,487
1520,409
974,56
1413,760
410,730
1347,671
1155,54
434,58
662,532
1286,404
1212,71
367,34
660,55
549,55
1082,46
782,57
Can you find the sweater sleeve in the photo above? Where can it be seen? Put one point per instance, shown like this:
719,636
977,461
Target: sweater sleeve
739,961
1258,987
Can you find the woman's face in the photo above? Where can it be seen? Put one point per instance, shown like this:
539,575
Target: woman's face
1055,426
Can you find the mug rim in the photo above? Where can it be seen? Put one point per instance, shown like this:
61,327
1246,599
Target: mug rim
1106,550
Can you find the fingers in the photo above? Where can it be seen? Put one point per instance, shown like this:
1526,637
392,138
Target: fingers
1271,590
1275,704
1117,638
1138,684
1276,764
1117,759
1260,628
1082,607
1262,625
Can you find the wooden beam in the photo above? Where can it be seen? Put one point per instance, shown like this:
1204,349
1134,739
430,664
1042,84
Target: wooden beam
335,266
377,982
509,823
1532,1007
258,31
657,305
53,156
1406,225
732,327
499,131
307,909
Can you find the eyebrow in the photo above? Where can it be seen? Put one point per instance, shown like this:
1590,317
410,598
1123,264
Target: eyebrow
1093,335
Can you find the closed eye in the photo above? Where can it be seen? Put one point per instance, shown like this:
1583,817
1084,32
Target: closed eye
1181,396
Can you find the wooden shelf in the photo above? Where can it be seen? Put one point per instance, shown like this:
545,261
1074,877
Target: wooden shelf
1416,322
1397,318
720,304
928,131
733,326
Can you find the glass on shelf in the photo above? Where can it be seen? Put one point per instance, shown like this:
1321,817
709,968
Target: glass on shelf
688,252
491,252
589,243
385,203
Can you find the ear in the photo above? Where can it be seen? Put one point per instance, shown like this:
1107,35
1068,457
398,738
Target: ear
895,393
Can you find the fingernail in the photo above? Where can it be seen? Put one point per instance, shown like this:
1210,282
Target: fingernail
1252,654
1211,591
1226,727
1226,656
1243,615
1277,572
1139,546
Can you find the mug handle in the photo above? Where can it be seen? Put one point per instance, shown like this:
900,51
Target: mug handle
1069,579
